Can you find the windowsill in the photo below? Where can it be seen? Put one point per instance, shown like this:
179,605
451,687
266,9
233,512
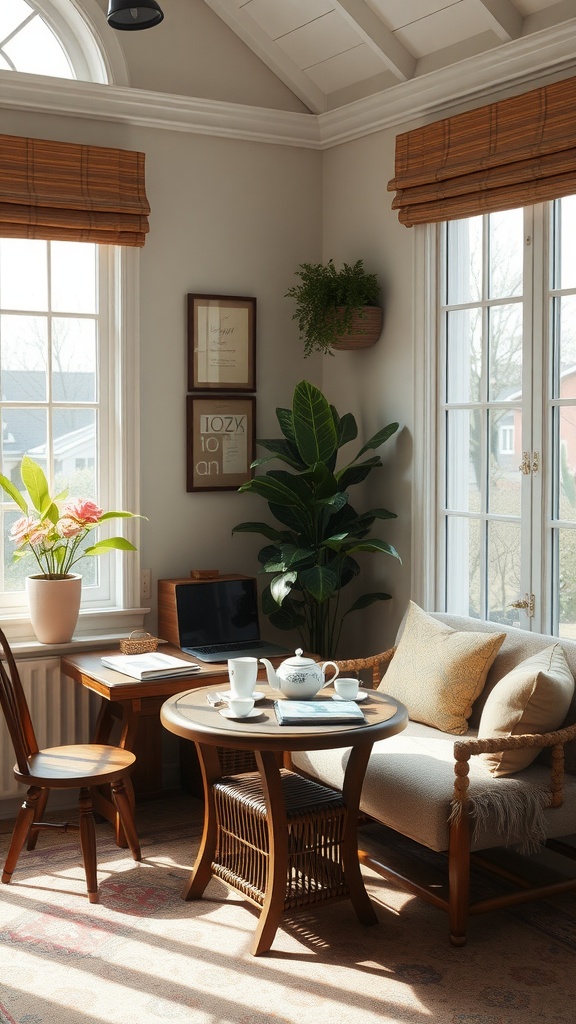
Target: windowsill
95,629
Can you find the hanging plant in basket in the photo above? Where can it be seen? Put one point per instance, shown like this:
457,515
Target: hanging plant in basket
336,309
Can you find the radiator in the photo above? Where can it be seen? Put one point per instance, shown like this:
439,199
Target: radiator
61,713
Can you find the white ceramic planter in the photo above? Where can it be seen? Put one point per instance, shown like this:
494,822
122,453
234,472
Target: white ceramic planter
54,606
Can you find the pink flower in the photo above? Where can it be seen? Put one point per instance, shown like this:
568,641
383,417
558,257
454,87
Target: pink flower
81,511
29,531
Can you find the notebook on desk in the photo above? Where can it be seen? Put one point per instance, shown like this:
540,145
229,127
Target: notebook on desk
218,619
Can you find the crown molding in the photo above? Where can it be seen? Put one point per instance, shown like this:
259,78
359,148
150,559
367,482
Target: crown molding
546,53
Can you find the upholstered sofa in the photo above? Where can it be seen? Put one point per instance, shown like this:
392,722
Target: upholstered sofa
444,789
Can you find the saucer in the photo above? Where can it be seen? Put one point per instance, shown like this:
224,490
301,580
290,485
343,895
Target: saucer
226,713
256,695
359,696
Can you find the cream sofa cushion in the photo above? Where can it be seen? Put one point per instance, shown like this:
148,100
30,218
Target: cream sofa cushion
533,697
438,672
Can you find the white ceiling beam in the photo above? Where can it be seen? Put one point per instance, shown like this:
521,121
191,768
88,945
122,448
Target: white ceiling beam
273,56
373,31
502,18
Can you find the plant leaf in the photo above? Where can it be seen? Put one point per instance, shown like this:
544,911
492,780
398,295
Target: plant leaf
13,493
264,528
320,582
283,450
36,484
281,586
286,421
110,543
347,429
379,438
313,424
376,545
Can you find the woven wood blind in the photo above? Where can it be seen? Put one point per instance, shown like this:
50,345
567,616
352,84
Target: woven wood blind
513,153
64,191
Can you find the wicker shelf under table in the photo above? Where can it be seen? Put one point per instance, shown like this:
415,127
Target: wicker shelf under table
316,818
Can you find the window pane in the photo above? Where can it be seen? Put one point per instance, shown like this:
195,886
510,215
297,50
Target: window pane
503,571
23,274
506,253
75,451
567,234
566,583
36,49
464,461
73,359
565,323
11,15
73,280
464,282
505,480
566,484
463,567
464,355
24,349
505,329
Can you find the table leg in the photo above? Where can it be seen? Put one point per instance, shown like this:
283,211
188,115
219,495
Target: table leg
101,795
273,908
351,790
202,870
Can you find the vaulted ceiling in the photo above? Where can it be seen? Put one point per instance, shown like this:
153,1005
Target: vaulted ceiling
333,52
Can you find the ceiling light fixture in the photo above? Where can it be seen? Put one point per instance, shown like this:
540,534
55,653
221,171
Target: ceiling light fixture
131,15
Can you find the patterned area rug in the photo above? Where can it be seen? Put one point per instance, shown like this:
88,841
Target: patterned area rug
143,955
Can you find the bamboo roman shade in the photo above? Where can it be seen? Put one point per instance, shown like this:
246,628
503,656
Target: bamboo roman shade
70,192
513,153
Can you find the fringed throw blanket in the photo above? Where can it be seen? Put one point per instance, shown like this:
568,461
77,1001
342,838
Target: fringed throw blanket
515,810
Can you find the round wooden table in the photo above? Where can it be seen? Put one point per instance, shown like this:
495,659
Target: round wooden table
281,840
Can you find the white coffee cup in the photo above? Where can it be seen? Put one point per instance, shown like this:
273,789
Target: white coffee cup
241,706
243,673
345,687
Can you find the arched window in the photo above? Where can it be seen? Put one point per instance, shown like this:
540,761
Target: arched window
59,39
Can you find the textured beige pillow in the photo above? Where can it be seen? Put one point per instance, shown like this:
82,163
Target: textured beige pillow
533,697
438,672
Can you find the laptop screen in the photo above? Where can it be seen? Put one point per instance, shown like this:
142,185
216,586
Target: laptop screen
217,612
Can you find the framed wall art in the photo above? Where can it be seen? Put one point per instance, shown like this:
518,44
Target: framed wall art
221,343
220,441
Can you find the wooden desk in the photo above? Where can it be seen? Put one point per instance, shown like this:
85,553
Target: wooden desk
129,716
232,848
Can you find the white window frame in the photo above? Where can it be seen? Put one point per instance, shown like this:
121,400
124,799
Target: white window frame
119,472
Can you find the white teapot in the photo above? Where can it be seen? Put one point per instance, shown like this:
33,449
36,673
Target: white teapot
298,678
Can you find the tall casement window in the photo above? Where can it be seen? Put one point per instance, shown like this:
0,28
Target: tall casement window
507,417
494,190
72,217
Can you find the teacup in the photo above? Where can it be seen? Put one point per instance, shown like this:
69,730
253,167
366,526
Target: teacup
345,687
241,706
243,673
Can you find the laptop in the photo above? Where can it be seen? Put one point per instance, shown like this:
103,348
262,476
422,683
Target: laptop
218,619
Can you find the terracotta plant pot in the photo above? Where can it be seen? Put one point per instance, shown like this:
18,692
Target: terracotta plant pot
365,330
54,605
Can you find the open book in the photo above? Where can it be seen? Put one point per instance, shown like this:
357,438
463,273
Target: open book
316,712
149,666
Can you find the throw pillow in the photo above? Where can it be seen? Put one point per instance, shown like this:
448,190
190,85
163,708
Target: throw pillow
438,672
534,697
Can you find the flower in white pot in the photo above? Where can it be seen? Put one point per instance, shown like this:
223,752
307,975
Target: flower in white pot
52,531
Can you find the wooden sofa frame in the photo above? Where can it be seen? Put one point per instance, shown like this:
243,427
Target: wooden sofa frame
457,903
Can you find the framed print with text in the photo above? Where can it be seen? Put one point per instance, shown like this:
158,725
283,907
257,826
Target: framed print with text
221,343
220,441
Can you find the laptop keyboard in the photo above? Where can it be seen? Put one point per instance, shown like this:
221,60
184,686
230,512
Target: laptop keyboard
244,645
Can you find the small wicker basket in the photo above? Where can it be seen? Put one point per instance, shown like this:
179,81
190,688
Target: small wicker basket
139,642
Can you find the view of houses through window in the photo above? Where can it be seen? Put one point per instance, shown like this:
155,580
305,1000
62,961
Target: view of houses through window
507,417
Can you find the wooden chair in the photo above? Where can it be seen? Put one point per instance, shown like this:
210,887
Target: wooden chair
82,765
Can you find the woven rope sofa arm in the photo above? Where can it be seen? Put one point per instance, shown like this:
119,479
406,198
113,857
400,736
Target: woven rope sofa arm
465,749
377,662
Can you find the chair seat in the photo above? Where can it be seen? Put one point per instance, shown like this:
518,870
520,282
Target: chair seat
81,764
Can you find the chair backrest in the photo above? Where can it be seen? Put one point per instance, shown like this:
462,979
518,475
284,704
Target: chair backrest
15,708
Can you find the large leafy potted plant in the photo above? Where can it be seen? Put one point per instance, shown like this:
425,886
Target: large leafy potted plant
310,554
336,308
